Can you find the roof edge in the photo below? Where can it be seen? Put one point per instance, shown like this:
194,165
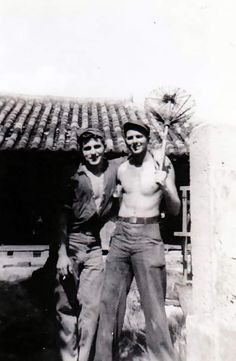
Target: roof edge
81,100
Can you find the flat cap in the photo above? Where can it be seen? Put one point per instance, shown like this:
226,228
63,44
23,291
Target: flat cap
137,125
94,131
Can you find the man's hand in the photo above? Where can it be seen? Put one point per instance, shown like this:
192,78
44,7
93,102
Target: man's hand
157,155
118,191
64,266
160,179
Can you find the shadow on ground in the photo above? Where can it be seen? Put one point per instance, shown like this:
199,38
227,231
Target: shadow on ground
27,329
26,326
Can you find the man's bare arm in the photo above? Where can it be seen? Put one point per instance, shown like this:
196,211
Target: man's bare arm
166,180
171,197
119,189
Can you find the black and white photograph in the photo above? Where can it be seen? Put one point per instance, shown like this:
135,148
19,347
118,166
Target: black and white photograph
117,180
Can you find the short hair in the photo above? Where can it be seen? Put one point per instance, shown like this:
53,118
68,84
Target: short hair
85,135
86,138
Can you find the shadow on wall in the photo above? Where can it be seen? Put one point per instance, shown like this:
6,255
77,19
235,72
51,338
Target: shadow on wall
31,188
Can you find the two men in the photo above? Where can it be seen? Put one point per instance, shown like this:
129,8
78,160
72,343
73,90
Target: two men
80,267
137,248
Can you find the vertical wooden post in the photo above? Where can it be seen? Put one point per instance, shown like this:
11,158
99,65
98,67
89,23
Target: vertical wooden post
185,234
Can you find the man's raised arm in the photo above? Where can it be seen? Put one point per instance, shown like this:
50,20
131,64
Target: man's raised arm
171,197
166,181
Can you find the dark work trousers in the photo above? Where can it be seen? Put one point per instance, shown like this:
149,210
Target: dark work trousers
77,300
135,248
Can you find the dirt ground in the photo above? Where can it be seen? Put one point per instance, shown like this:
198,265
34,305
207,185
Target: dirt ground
27,330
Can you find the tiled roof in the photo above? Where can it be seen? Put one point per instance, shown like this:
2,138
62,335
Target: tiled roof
52,124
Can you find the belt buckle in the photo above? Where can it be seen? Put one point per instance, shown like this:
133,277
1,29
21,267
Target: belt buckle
133,220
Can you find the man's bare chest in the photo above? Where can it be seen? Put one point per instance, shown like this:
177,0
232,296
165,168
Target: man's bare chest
139,179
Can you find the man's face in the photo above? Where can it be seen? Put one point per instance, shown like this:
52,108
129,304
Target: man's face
136,141
93,151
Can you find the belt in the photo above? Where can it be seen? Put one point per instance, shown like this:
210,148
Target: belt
140,220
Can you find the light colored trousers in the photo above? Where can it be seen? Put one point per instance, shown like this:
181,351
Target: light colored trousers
77,303
135,249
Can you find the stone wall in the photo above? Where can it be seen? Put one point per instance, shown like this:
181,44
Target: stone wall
211,329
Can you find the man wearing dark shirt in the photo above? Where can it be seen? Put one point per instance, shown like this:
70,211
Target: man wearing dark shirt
80,264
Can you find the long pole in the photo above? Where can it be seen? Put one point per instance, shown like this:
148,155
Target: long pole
163,146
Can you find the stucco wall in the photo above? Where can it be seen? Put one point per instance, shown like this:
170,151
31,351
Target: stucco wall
211,330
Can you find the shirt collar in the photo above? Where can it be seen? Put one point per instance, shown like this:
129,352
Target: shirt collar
82,169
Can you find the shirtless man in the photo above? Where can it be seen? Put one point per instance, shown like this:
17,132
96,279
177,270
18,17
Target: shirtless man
137,248
88,205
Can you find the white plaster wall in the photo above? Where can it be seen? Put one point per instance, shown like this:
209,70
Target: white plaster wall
213,204
201,227
211,330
